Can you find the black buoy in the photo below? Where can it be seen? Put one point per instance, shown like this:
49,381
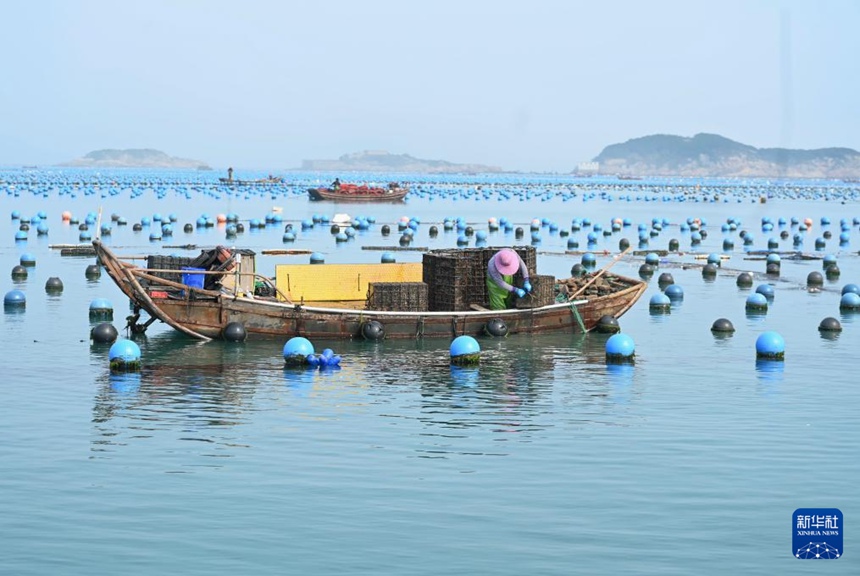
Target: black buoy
830,324
469,231
386,230
814,279
83,226
137,227
608,324
674,245
709,271
240,228
646,271
104,333
53,285
334,229
433,231
234,332
405,240
19,272
772,269
577,270
24,227
827,234
93,271
518,232
784,234
665,279
623,244
832,272
189,228
722,325
744,280
496,327
373,330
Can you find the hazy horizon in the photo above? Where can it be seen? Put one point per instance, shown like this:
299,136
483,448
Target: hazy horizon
532,88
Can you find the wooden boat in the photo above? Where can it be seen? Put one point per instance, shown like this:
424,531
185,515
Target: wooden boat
353,193
265,309
259,181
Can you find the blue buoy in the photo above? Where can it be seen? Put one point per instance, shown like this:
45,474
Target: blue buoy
465,350
101,308
296,351
652,259
850,302
851,288
21,236
674,292
765,290
588,260
714,258
659,303
620,349
124,355
388,258
317,258
756,302
27,259
770,346
828,261
15,298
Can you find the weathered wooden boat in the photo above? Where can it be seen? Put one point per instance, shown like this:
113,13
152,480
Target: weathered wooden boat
227,289
257,182
353,193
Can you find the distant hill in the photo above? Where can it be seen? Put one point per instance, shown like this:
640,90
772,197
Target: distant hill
714,155
134,158
382,161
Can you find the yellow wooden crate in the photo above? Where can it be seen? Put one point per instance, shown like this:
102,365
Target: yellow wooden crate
338,282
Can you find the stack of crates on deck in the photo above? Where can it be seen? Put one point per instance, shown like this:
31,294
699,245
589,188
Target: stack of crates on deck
159,262
457,278
398,296
543,292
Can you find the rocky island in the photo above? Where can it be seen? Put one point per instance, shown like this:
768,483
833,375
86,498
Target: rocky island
134,158
382,161
714,155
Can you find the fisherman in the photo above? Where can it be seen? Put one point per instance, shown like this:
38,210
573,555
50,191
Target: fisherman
230,173
336,184
500,275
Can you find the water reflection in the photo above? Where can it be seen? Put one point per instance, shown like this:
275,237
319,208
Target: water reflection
769,371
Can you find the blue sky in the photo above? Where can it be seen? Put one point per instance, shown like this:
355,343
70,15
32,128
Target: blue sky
531,86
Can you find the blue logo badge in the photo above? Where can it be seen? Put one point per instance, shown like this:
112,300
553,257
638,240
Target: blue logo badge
816,533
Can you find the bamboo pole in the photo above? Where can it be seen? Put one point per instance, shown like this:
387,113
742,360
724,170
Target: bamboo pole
600,273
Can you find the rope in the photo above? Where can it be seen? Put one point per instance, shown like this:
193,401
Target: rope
578,318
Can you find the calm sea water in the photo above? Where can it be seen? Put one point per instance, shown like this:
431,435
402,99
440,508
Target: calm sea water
214,459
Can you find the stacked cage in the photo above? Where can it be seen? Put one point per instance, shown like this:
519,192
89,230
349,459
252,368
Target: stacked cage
398,296
457,278
542,294
159,262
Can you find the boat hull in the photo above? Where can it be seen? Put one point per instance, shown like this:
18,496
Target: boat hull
373,195
204,313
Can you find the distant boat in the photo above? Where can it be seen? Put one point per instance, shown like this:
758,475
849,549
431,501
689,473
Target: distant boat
353,193
259,181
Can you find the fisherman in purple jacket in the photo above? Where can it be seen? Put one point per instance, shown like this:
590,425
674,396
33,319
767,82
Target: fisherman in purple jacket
500,275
